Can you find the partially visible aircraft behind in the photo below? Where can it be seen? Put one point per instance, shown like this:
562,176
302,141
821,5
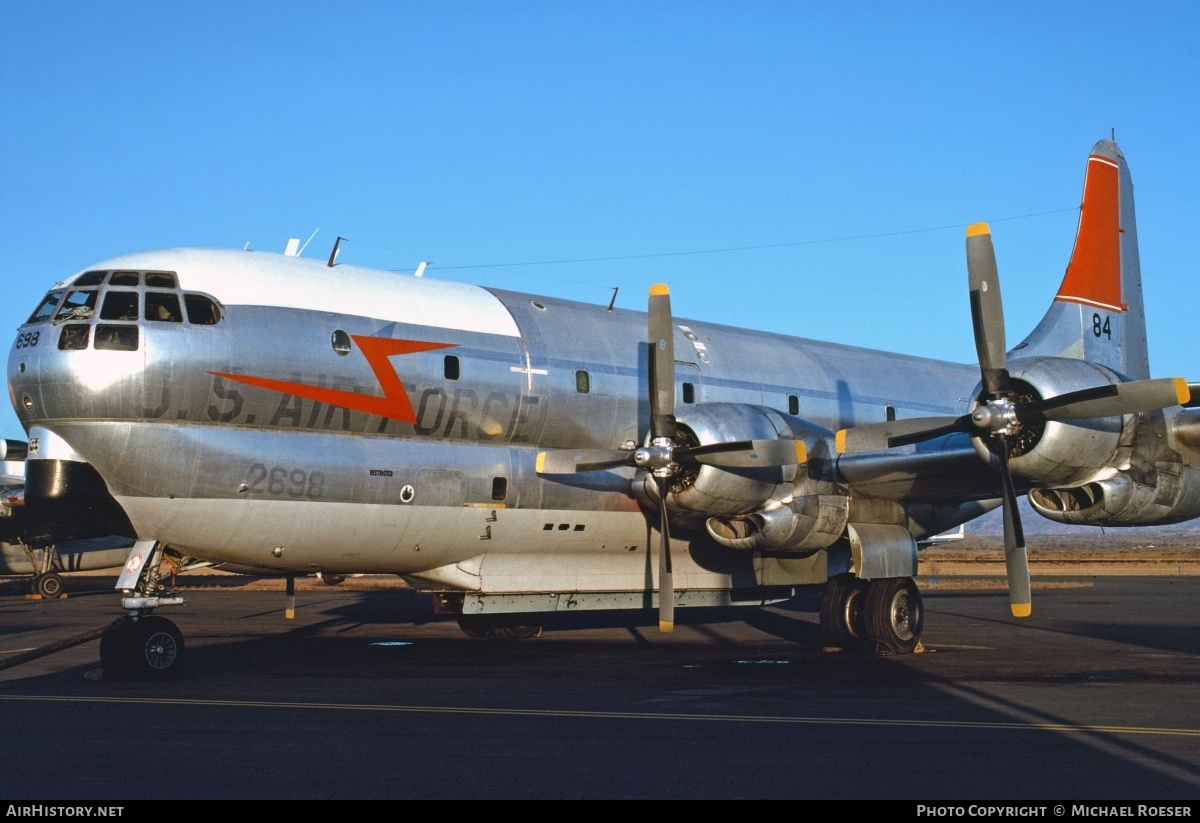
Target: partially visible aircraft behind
44,551
514,454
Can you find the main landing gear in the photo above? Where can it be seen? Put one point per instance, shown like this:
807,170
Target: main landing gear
878,615
499,627
49,585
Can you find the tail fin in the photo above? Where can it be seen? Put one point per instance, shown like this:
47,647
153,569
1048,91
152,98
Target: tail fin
1097,314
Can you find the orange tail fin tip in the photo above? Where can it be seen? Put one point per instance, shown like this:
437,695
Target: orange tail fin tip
1094,274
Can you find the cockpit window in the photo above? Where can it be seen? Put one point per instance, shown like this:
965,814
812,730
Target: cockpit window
125,278
79,305
74,336
120,305
116,338
162,307
201,311
45,309
91,278
160,280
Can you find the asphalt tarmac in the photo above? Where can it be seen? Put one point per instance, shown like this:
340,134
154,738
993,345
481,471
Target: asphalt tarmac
367,693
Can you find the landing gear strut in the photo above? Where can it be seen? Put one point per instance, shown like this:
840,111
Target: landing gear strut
143,646
881,615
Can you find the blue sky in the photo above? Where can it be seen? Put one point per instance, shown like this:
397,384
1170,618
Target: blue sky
850,142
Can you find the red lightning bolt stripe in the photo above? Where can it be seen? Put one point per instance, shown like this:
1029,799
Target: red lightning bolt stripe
394,404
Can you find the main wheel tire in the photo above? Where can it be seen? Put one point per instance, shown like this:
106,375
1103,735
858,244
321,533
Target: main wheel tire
894,614
497,627
333,579
843,624
48,585
114,649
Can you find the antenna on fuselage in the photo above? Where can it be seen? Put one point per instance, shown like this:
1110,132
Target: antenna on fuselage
420,272
333,254
306,242
612,302
292,247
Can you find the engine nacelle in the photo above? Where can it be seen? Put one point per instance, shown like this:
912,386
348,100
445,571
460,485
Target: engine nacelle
805,523
1054,453
789,508
1151,495
712,490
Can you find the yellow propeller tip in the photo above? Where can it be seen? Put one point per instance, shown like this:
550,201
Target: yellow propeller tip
1182,392
659,289
540,463
839,441
1021,609
976,229
666,628
801,453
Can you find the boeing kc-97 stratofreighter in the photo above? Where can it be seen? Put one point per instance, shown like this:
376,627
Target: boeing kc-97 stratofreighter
514,455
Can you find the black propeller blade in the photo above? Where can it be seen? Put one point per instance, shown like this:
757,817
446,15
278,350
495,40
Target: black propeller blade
999,415
663,457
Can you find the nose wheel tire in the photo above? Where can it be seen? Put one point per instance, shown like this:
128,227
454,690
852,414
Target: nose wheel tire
150,648
895,614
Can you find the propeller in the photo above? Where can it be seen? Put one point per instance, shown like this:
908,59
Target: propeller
664,456
1001,415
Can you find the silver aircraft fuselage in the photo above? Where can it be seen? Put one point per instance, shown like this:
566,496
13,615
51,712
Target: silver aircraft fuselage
270,412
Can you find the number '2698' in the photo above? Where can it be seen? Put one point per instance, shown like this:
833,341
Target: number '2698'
27,340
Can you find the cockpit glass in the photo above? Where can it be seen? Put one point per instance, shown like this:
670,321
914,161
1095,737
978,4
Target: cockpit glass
91,278
160,280
45,309
120,305
201,311
125,278
163,307
79,305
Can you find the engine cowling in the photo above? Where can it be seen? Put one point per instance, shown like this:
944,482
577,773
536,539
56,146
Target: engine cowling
1057,453
789,508
1151,495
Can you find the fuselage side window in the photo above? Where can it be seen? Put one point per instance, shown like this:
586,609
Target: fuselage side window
45,309
160,280
125,278
120,305
116,338
74,336
79,305
201,311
